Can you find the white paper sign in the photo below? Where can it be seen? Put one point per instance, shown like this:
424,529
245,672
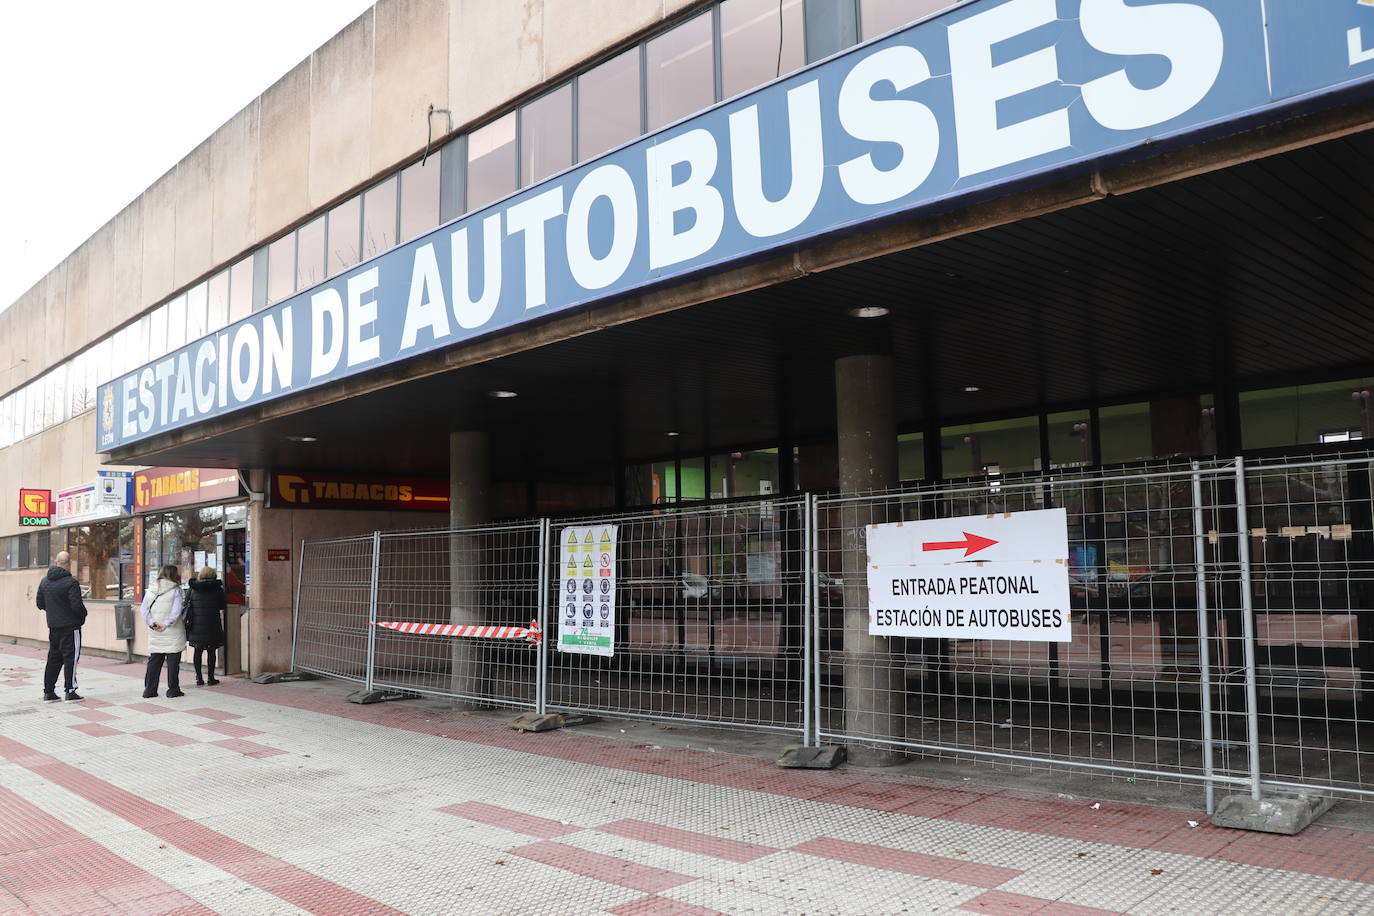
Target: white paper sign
586,593
974,577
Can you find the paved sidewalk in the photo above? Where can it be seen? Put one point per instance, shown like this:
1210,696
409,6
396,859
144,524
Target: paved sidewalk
252,800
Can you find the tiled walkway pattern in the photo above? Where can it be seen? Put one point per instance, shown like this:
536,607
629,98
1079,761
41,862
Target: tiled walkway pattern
286,799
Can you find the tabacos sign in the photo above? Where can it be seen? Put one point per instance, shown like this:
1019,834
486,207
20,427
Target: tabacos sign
310,490
35,508
985,96
162,488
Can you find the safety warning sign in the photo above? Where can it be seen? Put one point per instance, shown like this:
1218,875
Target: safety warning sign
974,577
586,595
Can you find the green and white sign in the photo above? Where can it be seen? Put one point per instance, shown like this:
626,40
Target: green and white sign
586,593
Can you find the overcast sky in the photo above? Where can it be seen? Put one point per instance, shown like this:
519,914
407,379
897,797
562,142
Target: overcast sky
99,98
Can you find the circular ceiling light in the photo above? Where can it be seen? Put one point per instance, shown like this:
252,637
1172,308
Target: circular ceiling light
970,389
672,433
502,394
868,311
302,439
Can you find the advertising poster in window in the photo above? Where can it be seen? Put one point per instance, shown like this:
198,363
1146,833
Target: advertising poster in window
586,592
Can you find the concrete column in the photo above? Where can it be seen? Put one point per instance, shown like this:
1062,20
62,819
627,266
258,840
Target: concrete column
874,680
469,487
271,587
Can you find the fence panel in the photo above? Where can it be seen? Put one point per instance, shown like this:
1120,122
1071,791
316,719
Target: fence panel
709,619
332,604
1312,554
486,576
1124,695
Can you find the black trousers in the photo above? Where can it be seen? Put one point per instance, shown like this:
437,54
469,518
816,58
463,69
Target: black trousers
210,658
155,662
64,651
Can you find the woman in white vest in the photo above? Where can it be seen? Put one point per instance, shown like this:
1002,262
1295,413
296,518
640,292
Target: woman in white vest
162,605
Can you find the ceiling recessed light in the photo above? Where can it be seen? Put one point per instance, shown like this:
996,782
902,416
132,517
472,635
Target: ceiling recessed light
672,433
301,439
502,393
868,311
969,389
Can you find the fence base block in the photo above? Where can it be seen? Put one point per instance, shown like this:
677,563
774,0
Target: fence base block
380,695
548,721
283,677
1286,813
799,756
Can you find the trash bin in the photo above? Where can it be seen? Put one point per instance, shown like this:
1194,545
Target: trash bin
124,620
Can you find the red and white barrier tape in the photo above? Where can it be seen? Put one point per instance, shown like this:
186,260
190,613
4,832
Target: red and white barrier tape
532,632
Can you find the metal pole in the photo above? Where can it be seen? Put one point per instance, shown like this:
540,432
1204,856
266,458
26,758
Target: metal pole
295,608
372,608
808,621
541,648
1204,648
1248,633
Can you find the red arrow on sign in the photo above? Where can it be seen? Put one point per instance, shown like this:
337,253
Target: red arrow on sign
971,544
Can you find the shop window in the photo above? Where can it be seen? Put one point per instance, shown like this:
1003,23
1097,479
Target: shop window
241,290
691,480
546,135
759,41
1306,414
95,560
345,236
1071,441
608,105
744,474
310,254
573,496
998,447
879,16
420,191
651,484
817,466
491,162
680,67
911,456
379,218
1182,427
217,302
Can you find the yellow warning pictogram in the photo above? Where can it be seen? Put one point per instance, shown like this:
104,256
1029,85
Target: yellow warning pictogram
588,538
587,563
572,536
572,562
605,539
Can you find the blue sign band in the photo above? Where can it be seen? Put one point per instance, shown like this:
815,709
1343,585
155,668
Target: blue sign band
985,97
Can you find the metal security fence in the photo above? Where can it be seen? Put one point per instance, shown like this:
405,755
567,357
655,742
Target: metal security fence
333,604
709,619
1222,625
487,576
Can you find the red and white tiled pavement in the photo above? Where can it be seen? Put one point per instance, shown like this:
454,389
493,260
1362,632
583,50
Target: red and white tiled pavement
248,799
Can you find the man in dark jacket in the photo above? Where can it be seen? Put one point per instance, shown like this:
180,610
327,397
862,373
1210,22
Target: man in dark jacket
59,595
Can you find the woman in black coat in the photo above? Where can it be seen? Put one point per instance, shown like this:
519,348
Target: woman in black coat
204,620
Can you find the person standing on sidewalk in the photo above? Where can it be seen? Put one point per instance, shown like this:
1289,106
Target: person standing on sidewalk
161,610
59,597
204,621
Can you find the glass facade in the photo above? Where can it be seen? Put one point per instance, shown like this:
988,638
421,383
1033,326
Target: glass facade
679,71
608,105
760,40
546,135
491,162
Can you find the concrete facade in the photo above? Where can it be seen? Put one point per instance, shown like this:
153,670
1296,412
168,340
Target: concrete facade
354,110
